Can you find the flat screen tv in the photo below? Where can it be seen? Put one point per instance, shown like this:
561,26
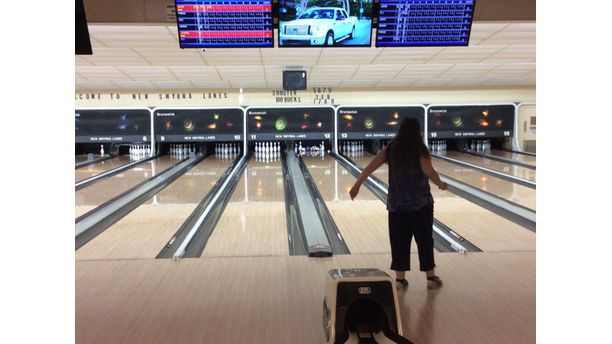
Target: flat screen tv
327,23
422,23
224,23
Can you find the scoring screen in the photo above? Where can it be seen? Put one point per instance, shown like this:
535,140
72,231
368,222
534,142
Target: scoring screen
375,122
470,121
224,23
112,125
307,123
404,23
189,125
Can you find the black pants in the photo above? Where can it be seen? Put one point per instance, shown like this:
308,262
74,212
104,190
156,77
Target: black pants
402,226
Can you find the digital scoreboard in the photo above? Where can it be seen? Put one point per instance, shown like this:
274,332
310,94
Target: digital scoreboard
470,121
197,125
224,23
405,23
112,125
298,123
380,122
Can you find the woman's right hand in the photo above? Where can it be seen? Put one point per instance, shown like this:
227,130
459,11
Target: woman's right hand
443,186
354,191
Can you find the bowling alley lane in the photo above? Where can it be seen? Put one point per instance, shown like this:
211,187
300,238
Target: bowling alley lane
502,167
363,221
89,171
253,222
485,229
80,158
524,158
144,231
103,190
512,192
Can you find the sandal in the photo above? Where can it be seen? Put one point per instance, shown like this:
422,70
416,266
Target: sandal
401,283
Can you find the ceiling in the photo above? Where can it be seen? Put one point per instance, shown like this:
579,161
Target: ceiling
140,55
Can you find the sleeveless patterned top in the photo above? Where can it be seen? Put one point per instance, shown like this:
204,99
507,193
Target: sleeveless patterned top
408,188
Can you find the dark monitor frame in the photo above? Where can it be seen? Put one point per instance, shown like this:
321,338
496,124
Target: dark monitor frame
228,46
378,9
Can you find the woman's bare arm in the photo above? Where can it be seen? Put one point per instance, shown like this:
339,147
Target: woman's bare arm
431,173
376,162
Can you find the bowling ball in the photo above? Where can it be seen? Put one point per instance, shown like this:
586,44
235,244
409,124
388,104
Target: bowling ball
280,124
188,125
368,123
457,121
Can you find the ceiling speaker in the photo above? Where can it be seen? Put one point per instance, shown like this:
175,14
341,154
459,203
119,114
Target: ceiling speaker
294,80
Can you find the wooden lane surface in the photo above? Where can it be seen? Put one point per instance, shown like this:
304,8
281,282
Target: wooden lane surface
144,231
80,158
362,222
486,298
89,171
257,226
524,158
502,167
323,170
104,190
512,192
485,229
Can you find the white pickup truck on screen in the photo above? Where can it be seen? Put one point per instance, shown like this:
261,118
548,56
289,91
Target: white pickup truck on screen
318,26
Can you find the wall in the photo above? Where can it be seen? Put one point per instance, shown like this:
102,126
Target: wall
526,132
311,96
322,96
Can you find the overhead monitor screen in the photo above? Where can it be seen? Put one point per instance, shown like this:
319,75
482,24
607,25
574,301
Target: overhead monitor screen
407,23
224,23
191,125
328,23
105,126
303,123
470,121
367,122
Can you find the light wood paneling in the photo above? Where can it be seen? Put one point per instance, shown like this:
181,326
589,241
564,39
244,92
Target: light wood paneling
486,298
256,227
144,231
524,158
506,168
512,192
362,222
250,229
323,172
485,229
104,190
89,171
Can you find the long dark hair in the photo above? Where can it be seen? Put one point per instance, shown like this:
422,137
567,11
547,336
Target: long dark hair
407,147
